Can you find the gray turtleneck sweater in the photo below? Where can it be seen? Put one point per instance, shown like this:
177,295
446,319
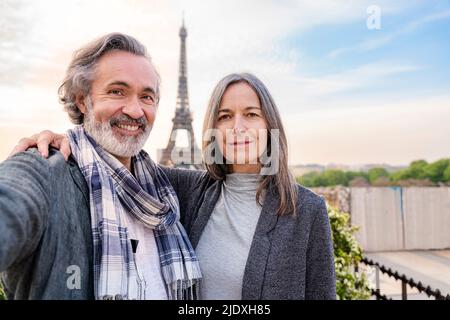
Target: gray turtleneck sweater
223,248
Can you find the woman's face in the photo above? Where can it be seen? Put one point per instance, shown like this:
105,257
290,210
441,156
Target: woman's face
242,125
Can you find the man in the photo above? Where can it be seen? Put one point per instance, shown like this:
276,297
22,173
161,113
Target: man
104,224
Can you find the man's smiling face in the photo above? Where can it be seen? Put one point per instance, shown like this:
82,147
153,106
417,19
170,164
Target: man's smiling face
121,107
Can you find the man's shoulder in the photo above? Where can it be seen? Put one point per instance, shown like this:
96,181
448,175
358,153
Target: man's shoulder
31,159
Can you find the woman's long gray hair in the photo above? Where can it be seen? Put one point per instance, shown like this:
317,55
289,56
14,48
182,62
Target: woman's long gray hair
280,181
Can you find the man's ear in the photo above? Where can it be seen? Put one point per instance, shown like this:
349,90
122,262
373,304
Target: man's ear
81,104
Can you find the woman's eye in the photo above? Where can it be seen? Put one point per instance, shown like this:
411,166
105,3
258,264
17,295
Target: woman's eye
224,117
252,115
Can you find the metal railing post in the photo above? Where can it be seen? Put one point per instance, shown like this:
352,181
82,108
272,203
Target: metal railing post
377,279
404,293
405,281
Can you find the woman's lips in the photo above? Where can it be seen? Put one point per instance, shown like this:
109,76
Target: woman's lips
240,143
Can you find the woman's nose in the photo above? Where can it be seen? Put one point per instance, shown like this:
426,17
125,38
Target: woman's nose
239,124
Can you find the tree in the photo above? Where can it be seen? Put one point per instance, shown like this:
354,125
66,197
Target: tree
400,175
416,170
359,182
334,177
419,172
447,174
356,174
376,173
308,179
435,171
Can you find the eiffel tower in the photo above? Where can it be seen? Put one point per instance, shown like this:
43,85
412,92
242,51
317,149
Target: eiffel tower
172,155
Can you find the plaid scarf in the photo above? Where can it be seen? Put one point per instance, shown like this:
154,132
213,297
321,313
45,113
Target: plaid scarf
148,197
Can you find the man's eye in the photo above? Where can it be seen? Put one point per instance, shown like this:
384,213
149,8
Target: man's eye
252,115
115,92
148,98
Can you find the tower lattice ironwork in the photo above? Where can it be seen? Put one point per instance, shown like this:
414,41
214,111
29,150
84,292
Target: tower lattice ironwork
188,157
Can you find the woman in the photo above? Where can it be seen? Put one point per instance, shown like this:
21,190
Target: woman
257,234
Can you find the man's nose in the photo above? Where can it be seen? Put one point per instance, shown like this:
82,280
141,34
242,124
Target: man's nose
133,108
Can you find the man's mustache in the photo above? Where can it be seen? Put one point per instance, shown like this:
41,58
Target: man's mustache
142,121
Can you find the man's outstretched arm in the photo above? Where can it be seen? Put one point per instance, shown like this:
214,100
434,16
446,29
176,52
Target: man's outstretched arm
24,205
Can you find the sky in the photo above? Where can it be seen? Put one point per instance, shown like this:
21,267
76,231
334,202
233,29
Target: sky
356,82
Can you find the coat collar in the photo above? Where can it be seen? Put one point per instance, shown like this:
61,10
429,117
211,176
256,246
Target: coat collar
259,251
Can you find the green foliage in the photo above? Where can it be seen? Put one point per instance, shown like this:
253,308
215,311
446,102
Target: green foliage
354,174
447,174
435,171
335,177
308,179
438,171
401,175
375,173
2,293
347,254
416,170
330,177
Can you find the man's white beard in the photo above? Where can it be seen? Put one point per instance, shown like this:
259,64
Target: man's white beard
102,133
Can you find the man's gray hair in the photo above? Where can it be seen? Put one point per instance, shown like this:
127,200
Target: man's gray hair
80,73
